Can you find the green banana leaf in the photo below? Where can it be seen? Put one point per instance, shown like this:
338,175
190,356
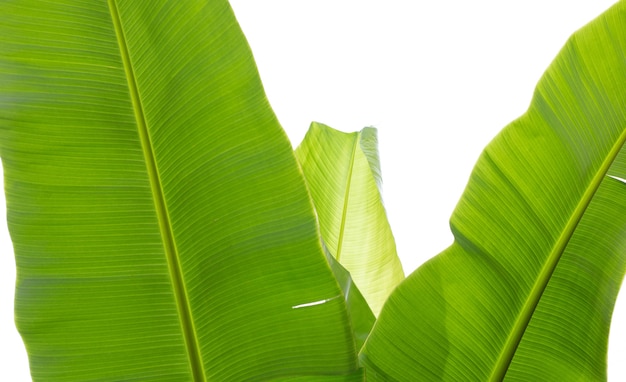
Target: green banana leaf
362,318
343,175
161,227
526,291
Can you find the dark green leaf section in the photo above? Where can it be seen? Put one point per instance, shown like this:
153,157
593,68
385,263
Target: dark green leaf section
356,376
92,278
96,297
527,290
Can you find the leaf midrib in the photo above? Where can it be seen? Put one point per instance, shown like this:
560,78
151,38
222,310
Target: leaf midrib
169,245
346,198
527,311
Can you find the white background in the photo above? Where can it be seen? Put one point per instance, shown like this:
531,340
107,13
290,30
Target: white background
438,79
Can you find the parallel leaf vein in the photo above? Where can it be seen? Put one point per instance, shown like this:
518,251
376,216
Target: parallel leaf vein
184,311
525,315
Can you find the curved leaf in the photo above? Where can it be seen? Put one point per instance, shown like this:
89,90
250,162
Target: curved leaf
527,289
161,227
343,174
361,316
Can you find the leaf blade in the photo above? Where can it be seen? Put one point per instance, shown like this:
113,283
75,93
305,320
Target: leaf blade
343,174
178,284
91,260
526,205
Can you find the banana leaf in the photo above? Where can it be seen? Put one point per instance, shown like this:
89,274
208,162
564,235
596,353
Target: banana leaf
526,291
362,318
161,227
343,174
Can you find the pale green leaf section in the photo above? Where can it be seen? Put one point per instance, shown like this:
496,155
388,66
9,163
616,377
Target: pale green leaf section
526,291
343,174
161,226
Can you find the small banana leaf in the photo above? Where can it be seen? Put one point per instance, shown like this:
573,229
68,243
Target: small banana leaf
343,175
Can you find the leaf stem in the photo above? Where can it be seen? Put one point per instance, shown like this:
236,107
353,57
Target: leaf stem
523,319
173,261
